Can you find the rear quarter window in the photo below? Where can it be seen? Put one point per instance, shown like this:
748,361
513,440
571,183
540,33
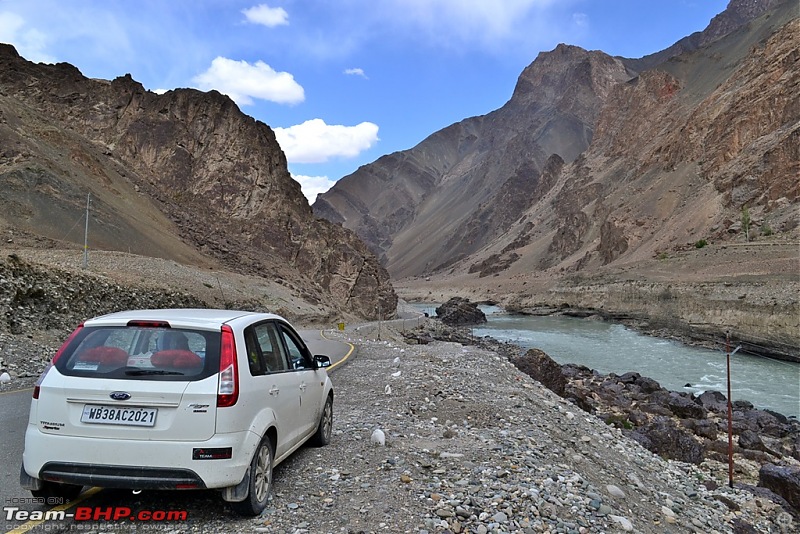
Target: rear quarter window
142,353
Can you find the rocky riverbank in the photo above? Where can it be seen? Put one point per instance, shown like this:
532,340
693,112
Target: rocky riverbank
675,425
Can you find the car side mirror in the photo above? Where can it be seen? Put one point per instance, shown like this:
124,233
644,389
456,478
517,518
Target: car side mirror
322,361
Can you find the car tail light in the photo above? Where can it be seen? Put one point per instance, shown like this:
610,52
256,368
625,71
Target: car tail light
228,389
63,347
59,352
149,324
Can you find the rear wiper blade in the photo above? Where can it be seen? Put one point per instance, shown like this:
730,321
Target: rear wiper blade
143,372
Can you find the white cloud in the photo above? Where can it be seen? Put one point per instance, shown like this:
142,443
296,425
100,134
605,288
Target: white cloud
313,185
29,42
580,19
267,16
459,23
356,72
317,142
10,24
243,82
470,19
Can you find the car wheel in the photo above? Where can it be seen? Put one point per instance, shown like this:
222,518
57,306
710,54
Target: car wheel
323,434
57,489
260,481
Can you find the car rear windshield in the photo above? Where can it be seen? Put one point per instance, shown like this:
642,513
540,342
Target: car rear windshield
141,353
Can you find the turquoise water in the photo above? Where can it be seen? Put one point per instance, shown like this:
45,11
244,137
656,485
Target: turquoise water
613,348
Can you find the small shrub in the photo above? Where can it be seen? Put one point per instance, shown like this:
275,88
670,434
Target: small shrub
766,230
619,421
701,243
746,222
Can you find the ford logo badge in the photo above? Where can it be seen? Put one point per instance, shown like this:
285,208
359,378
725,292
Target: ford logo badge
120,395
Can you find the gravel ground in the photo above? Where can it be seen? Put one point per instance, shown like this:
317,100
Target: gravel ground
473,445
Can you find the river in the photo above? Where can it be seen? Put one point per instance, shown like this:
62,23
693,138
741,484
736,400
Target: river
613,348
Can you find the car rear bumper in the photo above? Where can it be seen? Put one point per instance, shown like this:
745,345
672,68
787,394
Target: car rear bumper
121,476
136,464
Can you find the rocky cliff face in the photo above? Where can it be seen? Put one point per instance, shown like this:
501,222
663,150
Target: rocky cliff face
185,163
695,141
425,208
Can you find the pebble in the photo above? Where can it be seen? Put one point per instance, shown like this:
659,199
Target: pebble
614,491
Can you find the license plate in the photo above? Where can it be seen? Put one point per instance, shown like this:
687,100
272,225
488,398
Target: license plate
117,415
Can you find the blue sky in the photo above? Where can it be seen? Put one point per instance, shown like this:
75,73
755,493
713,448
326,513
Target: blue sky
342,82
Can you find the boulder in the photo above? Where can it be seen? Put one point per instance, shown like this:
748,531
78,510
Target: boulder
539,366
704,428
574,371
460,312
638,418
752,441
782,480
647,385
629,378
581,397
663,437
766,423
713,401
684,407
655,408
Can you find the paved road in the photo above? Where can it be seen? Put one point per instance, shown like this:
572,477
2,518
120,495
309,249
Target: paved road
317,344
14,407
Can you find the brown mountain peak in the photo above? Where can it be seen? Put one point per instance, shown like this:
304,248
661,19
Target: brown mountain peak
554,73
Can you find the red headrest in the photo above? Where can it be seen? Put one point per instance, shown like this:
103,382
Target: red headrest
104,356
176,358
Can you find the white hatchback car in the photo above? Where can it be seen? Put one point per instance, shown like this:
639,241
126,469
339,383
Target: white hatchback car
176,399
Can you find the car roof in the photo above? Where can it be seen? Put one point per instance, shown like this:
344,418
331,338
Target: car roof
187,317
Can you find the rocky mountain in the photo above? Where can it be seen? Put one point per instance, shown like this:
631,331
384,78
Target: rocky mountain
427,207
459,190
184,176
607,168
737,14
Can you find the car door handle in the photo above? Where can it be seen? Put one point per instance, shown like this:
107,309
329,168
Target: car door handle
274,391
303,386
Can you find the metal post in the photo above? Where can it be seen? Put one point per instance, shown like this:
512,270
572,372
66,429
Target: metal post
730,411
730,408
379,318
86,236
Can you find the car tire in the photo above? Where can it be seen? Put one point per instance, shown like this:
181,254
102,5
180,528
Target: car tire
58,490
325,427
260,485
